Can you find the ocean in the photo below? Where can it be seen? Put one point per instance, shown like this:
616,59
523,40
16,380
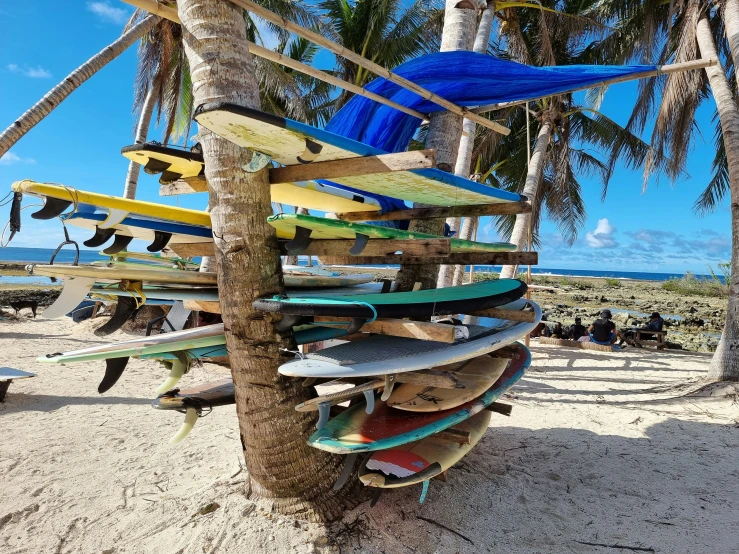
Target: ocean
42,256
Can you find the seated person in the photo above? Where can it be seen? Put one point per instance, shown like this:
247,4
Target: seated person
541,329
558,332
603,330
577,330
655,324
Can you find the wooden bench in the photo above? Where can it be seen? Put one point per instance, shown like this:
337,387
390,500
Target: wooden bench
647,337
7,375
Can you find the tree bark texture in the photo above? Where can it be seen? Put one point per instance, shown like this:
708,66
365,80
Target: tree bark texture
445,130
296,478
731,25
725,363
142,130
469,225
448,273
520,233
60,92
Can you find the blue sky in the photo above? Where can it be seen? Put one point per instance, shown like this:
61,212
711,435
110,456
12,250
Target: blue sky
79,145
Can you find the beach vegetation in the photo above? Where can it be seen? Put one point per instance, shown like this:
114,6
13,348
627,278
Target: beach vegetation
692,285
612,283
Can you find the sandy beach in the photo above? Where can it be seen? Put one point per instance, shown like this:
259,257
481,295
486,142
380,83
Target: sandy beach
602,449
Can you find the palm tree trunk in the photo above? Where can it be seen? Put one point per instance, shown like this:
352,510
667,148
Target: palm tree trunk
448,274
731,23
445,130
520,233
468,229
142,130
725,363
59,93
282,467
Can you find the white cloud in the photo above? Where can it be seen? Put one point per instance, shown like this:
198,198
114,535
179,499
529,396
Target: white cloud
11,158
602,236
32,72
108,13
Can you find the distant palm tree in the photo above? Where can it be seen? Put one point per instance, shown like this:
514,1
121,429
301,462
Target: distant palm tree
681,31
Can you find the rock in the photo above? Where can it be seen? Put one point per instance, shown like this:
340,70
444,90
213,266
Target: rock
692,309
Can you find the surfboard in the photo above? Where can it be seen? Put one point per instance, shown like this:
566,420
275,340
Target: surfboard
57,198
154,259
476,374
160,293
175,163
419,304
382,355
409,464
290,142
171,163
306,227
356,431
196,402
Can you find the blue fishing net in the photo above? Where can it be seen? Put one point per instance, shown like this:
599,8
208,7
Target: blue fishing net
465,78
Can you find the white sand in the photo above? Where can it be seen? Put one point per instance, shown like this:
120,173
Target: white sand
601,448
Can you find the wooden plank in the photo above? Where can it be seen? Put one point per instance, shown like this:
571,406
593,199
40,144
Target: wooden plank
186,185
351,167
422,330
209,306
511,315
429,378
498,208
500,408
576,344
454,435
465,258
377,247
192,250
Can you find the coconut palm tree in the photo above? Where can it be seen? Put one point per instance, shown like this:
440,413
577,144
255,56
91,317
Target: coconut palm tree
281,466
71,82
682,31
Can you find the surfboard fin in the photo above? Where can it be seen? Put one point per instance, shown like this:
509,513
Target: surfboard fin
389,385
191,418
153,166
287,322
176,370
73,293
300,242
308,381
113,370
424,491
360,244
124,309
311,152
100,237
346,471
53,207
355,325
168,177
120,243
369,396
324,410
376,497
161,239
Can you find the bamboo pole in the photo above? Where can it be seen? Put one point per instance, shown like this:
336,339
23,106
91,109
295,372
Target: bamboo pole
661,70
368,65
170,13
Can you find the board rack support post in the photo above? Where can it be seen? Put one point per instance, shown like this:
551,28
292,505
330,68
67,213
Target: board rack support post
465,258
375,247
474,210
422,330
511,315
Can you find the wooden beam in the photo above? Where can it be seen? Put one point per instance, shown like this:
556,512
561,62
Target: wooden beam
499,208
377,247
185,185
367,64
210,306
511,315
352,167
454,435
464,258
500,408
422,330
192,250
661,70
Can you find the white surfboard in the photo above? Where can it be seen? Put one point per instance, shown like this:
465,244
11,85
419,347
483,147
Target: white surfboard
382,355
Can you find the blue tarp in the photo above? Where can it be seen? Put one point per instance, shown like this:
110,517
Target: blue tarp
465,78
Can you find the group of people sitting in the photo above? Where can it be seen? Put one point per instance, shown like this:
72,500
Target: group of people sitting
602,331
